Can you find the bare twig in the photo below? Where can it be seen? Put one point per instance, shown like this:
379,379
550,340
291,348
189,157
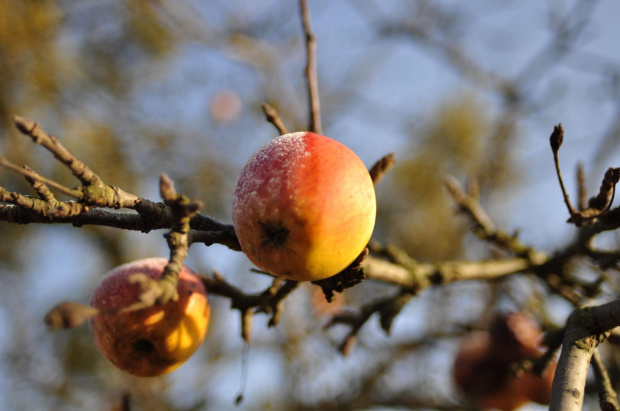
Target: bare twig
554,270
51,143
183,209
69,315
469,203
43,209
31,174
581,187
607,191
387,308
381,167
93,191
311,70
608,399
273,117
556,139
486,229
268,301
597,206
39,186
414,277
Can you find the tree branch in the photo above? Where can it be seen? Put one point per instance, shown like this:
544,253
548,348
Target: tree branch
272,116
585,329
311,70
268,301
608,399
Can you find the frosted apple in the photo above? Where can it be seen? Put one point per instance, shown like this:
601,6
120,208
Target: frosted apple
304,207
155,340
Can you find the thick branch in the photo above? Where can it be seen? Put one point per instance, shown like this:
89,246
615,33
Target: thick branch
585,329
421,275
156,216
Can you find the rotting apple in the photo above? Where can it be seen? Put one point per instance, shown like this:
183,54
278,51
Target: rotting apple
304,207
150,341
486,361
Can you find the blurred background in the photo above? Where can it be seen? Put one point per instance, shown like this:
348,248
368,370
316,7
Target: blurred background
136,88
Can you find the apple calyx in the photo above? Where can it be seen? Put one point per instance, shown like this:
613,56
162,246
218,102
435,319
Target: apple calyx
275,234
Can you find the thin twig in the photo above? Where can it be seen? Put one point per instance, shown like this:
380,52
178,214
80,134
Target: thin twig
311,70
30,174
387,308
51,143
268,301
608,399
381,167
581,187
272,116
486,228
556,139
39,186
599,205
183,209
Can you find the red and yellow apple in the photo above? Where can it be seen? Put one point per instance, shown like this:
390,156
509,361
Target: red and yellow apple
150,341
304,207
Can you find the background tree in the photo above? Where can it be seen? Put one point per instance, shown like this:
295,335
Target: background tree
141,87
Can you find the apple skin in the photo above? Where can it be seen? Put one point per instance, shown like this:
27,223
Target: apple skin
154,340
304,207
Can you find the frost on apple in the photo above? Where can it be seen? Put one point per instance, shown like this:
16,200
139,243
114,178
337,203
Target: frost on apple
303,207
154,340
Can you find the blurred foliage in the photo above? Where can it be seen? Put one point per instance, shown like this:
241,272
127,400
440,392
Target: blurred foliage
419,217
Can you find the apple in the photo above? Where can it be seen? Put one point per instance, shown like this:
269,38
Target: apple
516,335
151,341
304,207
484,365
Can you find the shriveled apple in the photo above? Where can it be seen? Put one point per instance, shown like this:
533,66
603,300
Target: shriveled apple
150,341
485,364
304,207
